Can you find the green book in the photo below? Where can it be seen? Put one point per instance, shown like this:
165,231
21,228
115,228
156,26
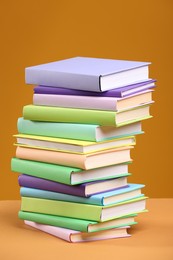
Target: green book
67,175
83,211
86,132
77,224
86,116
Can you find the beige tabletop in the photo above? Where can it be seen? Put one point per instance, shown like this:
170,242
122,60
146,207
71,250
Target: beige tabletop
152,238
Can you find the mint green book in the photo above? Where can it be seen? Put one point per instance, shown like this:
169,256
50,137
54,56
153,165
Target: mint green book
78,224
83,211
85,132
68,175
86,116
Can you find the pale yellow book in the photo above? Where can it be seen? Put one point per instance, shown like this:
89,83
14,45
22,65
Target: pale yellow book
70,145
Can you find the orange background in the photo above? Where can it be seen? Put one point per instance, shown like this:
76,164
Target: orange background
35,32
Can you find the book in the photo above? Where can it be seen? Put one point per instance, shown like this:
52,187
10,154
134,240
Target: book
92,74
82,190
71,145
83,211
86,116
83,161
76,236
118,92
78,224
92,102
68,175
104,198
86,132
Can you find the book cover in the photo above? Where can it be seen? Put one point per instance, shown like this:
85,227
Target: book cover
91,74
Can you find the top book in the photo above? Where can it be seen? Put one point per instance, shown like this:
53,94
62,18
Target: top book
90,74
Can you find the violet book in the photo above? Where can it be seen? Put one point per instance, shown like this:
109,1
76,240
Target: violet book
83,190
91,74
118,92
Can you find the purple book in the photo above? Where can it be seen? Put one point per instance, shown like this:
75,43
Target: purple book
90,74
82,190
118,92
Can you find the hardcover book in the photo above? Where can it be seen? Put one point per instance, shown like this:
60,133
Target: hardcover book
83,161
70,145
118,92
91,74
104,198
76,236
86,116
91,102
78,224
86,132
68,175
83,190
83,211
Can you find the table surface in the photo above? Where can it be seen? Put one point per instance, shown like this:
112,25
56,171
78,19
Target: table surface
152,237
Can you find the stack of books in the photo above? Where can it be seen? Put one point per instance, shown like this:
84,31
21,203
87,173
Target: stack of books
74,143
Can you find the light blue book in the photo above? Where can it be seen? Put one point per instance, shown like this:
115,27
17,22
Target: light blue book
132,191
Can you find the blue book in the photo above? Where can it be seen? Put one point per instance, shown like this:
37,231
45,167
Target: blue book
132,191
91,74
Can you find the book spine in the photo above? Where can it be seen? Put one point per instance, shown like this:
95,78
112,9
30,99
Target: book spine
61,208
38,183
77,131
43,194
69,115
84,102
49,171
65,80
58,221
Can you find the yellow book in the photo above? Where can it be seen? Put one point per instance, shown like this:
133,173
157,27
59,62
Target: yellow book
70,145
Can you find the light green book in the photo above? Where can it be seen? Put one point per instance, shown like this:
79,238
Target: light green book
86,116
77,224
83,211
68,175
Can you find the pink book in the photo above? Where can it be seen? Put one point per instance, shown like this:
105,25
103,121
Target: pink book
93,102
74,236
